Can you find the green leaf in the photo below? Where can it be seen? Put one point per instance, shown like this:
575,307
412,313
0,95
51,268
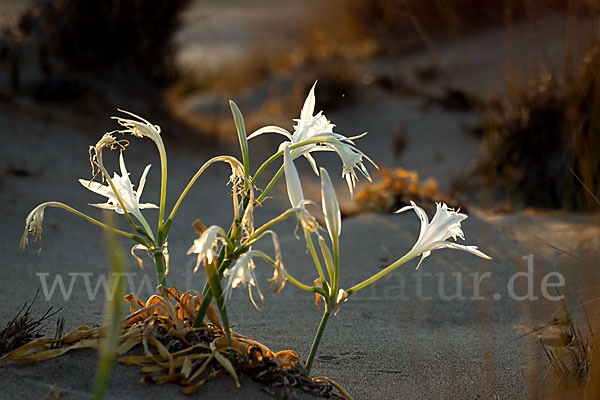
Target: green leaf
241,131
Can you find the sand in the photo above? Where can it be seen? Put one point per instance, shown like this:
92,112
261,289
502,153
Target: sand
400,338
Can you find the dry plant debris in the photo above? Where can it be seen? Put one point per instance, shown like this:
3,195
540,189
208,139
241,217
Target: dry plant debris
22,329
158,337
569,351
393,189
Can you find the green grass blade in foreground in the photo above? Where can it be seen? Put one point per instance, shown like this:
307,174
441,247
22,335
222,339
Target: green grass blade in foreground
112,309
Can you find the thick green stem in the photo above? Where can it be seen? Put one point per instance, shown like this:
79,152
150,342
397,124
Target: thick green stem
214,282
315,257
316,341
223,265
336,266
160,269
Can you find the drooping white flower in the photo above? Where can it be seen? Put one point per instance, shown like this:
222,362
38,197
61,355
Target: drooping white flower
444,225
295,194
139,128
242,272
124,187
310,126
33,225
206,245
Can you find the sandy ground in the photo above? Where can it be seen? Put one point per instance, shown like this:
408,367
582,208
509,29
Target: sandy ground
407,336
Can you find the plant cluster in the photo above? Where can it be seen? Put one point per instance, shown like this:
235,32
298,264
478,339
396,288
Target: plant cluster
228,255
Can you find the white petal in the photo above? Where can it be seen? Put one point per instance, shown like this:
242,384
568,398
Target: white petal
456,246
331,208
271,129
294,186
107,206
124,172
312,163
308,108
147,205
96,187
140,188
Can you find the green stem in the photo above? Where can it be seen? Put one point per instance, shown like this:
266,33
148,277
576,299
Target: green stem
315,257
316,341
270,185
252,239
146,226
265,165
214,282
336,266
191,183
57,204
407,257
163,184
223,265
307,288
313,140
160,269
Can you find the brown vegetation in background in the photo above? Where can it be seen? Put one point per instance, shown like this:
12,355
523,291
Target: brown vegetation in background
61,49
394,189
542,140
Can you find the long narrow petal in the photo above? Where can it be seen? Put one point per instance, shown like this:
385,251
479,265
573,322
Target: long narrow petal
107,206
124,172
294,187
331,208
146,205
312,163
422,216
96,187
451,245
140,188
271,129
308,108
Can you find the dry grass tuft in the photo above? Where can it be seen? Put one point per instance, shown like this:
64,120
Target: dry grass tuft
542,141
22,329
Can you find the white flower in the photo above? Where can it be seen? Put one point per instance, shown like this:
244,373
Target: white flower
351,159
33,225
331,208
206,245
141,128
294,189
311,126
242,272
124,187
433,235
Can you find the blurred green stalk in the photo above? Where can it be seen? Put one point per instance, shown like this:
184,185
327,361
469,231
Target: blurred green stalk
112,311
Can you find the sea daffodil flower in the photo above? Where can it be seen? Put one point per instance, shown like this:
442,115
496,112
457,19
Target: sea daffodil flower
310,126
242,272
206,245
124,187
445,224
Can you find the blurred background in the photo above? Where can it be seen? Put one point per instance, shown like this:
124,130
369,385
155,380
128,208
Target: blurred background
493,103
